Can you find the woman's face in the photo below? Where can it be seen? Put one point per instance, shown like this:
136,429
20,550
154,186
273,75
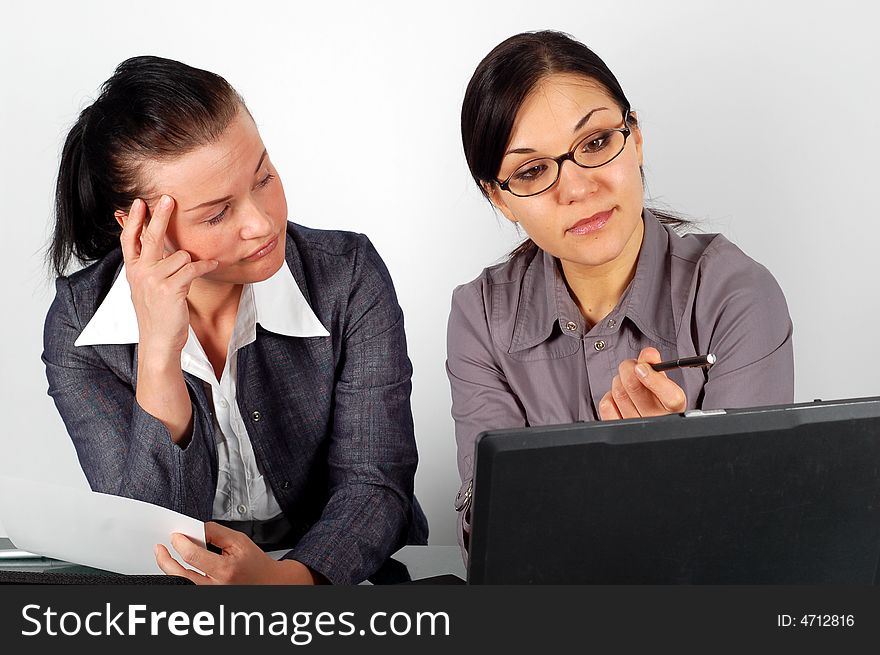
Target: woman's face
229,204
590,216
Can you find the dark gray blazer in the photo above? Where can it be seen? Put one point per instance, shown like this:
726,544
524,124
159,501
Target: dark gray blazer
329,417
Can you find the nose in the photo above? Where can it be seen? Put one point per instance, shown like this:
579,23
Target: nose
254,222
575,183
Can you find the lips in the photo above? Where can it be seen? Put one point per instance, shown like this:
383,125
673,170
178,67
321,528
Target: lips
263,250
592,223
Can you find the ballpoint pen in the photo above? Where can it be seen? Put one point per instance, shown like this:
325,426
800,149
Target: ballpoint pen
704,361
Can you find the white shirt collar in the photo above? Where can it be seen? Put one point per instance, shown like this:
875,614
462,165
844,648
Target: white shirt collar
280,307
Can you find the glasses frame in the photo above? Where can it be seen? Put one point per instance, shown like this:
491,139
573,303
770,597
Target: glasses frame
568,156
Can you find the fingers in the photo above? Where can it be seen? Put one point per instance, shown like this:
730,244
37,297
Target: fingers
191,270
660,389
131,231
223,537
180,267
638,390
171,566
153,235
195,555
650,355
175,272
622,398
607,409
240,562
167,267
148,243
671,396
632,385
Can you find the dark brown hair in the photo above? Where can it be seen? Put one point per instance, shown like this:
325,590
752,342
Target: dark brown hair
502,82
150,109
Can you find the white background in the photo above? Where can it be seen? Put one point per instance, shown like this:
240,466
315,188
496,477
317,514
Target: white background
760,121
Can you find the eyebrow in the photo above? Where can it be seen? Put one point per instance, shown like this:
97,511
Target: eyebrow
211,203
586,118
578,126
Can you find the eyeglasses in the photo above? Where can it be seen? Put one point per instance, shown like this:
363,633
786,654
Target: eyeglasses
593,151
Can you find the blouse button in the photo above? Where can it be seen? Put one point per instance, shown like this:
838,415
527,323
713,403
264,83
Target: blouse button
256,416
599,345
571,326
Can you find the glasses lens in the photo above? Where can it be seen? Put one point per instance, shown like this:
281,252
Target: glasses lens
599,148
533,177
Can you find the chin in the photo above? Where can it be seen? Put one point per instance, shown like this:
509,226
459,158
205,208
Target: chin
594,253
248,272
593,261
264,270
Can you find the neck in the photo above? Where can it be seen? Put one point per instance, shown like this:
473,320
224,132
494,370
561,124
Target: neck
597,289
213,302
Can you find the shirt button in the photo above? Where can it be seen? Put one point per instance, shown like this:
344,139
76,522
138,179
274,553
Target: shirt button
256,416
285,484
241,509
599,345
571,326
223,404
611,322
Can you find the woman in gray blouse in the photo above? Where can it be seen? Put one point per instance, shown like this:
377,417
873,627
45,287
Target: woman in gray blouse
567,328
216,359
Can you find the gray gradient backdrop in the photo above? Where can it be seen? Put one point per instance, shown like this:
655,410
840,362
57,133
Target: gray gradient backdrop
759,121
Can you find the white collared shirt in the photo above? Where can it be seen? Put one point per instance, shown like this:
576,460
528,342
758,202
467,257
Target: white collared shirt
279,306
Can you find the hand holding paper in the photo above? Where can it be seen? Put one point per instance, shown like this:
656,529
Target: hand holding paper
240,562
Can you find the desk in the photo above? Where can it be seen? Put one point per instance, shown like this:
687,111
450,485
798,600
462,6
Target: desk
410,563
429,561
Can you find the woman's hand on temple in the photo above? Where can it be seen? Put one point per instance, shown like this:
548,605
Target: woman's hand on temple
638,390
159,283
240,562
159,287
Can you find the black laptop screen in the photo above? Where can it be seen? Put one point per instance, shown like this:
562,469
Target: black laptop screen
780,495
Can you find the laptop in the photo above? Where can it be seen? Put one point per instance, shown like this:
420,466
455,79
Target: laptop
772,495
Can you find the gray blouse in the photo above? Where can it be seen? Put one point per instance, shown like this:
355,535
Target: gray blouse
520,353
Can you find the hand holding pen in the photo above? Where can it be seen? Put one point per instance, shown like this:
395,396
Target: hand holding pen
641,387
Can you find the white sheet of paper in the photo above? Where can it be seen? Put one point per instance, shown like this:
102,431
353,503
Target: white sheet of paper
89,528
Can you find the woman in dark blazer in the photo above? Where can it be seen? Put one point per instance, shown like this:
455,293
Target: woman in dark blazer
215,358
